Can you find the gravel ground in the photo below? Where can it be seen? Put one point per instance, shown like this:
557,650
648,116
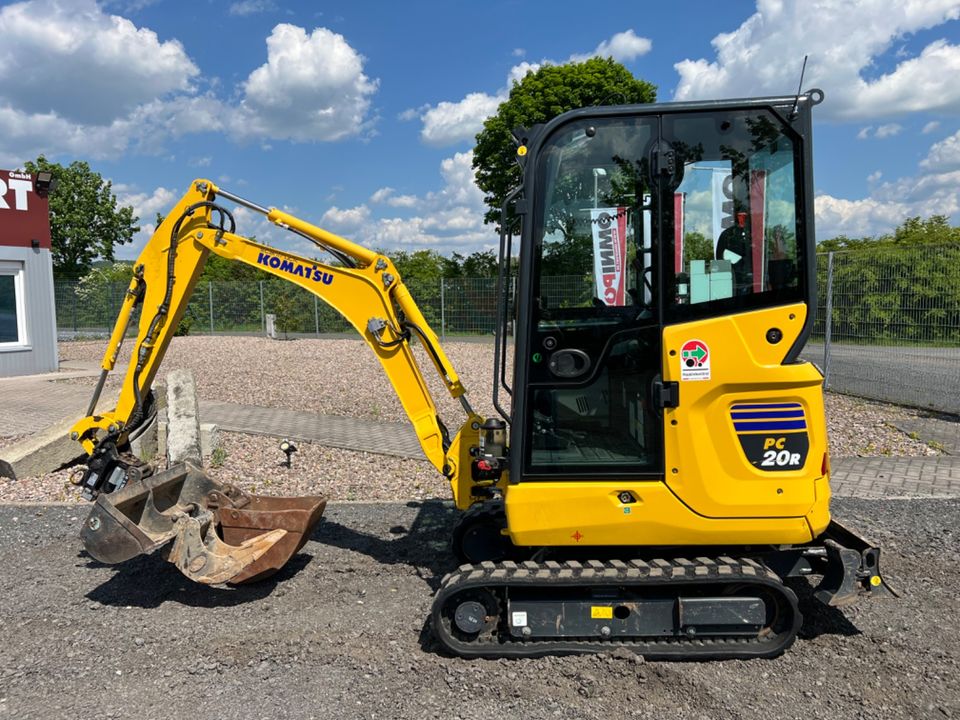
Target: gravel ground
240,375
341,633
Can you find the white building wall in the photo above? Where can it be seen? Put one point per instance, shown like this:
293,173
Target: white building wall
39,353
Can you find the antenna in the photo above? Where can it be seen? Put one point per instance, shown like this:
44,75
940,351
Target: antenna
793,113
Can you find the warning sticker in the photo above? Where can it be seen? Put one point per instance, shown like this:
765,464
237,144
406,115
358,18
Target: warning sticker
600,612
519,619
694,360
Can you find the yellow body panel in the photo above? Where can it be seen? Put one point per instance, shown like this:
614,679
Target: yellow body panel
705,464
711,494
590,513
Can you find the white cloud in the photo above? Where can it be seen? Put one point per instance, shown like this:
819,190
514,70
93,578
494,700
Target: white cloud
381,195
880,132
388,195
623,47
75,80
450,218
24,136
934,190
412,113
459,187
856,218
930,127
312,87
251,7
346,220
145,207
888,130
447,219
874,176
943,156
843,39
76,63
450,122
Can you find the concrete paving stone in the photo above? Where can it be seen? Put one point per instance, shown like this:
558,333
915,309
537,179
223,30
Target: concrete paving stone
943,430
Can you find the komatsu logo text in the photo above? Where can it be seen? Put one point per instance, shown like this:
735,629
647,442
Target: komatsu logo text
293,268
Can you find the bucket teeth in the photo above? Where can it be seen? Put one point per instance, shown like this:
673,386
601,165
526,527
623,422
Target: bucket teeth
219,534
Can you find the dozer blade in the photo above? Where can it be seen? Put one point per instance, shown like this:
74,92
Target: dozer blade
219,533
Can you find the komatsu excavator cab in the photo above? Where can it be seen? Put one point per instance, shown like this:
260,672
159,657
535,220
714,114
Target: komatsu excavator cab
665,290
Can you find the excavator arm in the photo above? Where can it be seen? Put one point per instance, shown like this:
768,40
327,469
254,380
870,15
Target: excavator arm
137,511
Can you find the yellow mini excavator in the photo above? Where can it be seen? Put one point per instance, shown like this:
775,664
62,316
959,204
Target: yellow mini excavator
662,468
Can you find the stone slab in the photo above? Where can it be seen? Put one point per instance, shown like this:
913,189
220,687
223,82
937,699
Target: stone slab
183,419
42,452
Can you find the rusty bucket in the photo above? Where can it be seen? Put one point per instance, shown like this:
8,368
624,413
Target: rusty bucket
216,533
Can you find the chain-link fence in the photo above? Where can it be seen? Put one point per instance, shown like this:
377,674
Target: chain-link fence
453,306
887,325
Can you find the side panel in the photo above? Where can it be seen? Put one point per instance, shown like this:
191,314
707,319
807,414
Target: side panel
749,437
570,513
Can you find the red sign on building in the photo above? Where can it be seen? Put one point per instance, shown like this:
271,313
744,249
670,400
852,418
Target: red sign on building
24,214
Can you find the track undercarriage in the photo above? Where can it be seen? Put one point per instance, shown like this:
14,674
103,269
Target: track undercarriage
707,608
732,605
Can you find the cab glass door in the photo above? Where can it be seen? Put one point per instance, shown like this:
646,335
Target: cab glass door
595,325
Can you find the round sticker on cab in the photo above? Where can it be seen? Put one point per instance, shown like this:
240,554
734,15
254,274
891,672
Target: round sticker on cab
694,360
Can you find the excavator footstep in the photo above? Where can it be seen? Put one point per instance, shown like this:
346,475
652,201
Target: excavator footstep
219,533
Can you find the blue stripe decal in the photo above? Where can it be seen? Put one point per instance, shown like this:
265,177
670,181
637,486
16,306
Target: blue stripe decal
771,426
767,406
769,415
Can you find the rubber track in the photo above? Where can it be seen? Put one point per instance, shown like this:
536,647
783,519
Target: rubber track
635,575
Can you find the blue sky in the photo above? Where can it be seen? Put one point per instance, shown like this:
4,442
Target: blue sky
360,116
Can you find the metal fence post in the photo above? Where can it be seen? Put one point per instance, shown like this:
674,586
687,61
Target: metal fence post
210,295
263,317
443,314
828,323
316,313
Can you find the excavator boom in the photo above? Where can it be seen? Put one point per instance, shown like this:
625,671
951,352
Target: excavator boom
219,533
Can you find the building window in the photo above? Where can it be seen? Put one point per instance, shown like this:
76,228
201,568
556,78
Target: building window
13,330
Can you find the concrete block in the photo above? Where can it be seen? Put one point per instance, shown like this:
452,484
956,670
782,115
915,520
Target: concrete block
209,438
42,452
162,435
183,419
144,446
147,445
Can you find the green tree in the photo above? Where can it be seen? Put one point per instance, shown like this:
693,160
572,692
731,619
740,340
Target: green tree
537,98
900,287
221,269
696,246
419,266
481,264
85,221
422,271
